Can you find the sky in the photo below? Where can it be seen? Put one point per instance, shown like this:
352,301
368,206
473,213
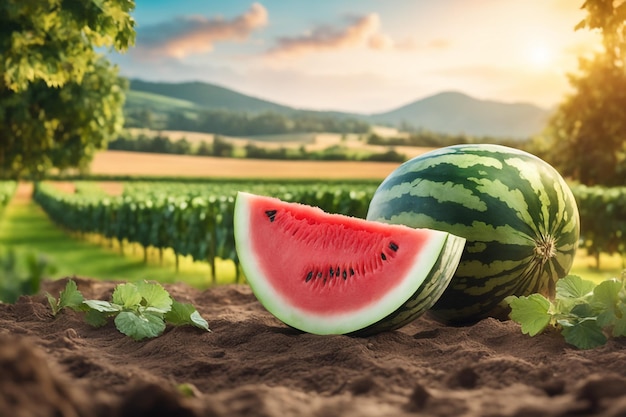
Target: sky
363,56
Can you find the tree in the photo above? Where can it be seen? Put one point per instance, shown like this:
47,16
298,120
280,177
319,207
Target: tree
586,137
222,147
181,146
204,149
60,100
161,144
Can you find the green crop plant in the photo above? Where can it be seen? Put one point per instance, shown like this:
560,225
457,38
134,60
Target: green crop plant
193,220
21,275
586,313
140,310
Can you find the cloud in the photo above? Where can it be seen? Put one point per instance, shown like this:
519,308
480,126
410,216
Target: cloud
361,31
184,36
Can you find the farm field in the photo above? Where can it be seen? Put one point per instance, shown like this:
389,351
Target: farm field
310,141
146,164
129,260
25,228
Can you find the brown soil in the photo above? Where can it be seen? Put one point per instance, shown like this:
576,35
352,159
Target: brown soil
253,365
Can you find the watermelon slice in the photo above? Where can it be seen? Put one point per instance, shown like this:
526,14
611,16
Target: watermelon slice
332,274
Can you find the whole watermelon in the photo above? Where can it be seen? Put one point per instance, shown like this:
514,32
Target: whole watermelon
517,213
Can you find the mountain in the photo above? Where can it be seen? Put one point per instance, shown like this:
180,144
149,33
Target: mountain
209,96
453,113
446,112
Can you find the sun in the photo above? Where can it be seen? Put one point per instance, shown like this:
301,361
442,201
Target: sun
539,55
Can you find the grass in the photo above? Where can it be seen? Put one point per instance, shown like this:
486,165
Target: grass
584,266
26,228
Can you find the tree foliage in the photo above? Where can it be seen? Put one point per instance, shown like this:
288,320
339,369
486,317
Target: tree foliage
60,99
586,137
236,123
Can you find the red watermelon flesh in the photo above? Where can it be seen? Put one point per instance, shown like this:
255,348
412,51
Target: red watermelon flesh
327,273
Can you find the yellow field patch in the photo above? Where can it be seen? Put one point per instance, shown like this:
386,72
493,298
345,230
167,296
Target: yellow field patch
148,164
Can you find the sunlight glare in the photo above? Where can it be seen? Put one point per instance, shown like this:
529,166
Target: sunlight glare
539,56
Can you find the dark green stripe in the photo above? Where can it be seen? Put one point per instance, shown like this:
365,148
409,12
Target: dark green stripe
497,251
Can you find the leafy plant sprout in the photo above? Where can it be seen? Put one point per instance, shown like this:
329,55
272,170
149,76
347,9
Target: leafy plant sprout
586,313
140,310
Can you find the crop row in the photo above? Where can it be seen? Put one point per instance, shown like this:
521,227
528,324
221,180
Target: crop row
603,220
197,219
192,219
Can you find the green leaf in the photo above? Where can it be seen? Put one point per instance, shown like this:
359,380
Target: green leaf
70,296
198,321
531,312
157,298
607,292
606,299
586,334
127,295
573,286
583,310
139,326
103,306
186,314
95,318
54,304
619,326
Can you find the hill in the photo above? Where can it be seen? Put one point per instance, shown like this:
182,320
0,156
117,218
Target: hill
208,96
447,112
453,113
157,102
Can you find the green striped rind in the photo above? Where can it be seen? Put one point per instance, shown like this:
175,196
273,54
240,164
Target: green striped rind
427,294
503,201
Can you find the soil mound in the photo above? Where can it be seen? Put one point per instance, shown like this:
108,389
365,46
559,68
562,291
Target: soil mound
253,365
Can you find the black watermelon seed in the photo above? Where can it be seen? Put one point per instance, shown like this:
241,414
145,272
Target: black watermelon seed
344,274
319,274
271,214
351,272
337,272
393,247
309,276
382,255
331,272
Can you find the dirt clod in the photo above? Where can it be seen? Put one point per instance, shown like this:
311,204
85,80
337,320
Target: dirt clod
599,387
418,398
466,378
